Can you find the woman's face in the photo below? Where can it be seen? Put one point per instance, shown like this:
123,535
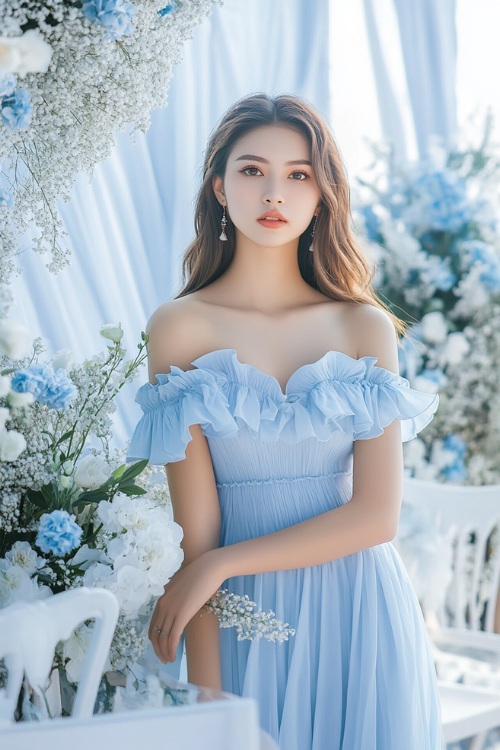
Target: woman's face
269,186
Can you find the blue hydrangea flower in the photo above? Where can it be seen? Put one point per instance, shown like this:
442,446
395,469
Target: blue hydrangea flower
436,376
455,472
439,274
16,110
372,223
51,387
58,533
114,15
167,9
484,254
444,197
456,444
8,83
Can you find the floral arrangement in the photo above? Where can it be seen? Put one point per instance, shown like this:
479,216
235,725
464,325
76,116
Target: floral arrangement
72,74
71,514
433,229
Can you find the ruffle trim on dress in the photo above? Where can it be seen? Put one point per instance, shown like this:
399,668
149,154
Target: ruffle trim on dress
224,395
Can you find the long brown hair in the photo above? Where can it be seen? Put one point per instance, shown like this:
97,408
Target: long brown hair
338,268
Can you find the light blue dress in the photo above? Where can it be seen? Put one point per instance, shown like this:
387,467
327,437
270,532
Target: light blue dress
358,674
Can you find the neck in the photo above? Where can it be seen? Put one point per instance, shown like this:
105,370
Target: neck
265,278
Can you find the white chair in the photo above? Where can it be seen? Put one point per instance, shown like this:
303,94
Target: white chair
461,627
470,517
30,632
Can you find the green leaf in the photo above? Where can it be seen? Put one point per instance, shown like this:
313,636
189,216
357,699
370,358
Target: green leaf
119,471
132,489
64,437
134,470
36,498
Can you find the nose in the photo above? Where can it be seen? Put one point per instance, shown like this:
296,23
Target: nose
273,196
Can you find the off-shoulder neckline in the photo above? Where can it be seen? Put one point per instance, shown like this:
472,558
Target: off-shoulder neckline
295,376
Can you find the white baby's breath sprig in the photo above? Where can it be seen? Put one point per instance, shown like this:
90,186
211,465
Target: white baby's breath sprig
234,611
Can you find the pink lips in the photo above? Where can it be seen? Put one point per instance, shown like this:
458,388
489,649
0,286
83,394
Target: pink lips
272,220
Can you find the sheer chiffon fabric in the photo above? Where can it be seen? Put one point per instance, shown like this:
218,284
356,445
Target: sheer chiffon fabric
358,674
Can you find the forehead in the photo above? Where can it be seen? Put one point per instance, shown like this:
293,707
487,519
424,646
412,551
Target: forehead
272,142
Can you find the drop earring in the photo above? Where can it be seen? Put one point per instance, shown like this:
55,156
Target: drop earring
223,222
311,246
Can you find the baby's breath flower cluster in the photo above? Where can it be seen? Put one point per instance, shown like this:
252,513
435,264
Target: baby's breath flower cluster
434,228
234,611
88,69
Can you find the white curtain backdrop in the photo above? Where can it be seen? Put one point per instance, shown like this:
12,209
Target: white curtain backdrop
128,229
375,68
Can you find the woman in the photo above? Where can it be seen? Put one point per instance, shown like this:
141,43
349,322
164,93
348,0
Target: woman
275,403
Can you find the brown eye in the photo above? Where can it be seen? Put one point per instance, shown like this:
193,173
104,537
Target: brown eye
251,171
300,176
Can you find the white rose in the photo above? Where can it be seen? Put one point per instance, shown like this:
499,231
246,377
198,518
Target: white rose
91,472
4,417
112,331
28,53
455,349
434,327
4,385
63,359
15,340
12,444
20,400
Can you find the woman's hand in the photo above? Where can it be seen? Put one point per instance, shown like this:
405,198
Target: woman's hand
185,594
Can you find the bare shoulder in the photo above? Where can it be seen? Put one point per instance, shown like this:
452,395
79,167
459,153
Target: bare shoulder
373,331
176,331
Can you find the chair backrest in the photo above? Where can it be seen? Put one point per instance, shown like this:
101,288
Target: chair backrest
469,517
30,632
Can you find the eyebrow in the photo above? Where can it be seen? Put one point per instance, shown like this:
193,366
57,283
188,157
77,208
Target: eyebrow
252,157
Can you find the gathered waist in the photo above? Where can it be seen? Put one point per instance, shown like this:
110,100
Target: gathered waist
274,480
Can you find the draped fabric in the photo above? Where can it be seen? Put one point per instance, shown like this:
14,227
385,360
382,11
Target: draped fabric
128,228
414,50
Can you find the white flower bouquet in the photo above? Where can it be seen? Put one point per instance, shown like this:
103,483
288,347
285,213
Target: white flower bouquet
434,229
71,514
72,74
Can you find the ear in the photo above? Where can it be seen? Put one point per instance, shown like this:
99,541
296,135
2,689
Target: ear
218,188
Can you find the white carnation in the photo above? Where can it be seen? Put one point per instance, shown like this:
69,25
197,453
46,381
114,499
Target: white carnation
16,585
434,327
20,400
25,557
24,54
4,385
15,340
455,348
12,444
75,650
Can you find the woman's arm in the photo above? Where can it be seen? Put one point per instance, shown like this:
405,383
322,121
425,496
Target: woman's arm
370,518
194,500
